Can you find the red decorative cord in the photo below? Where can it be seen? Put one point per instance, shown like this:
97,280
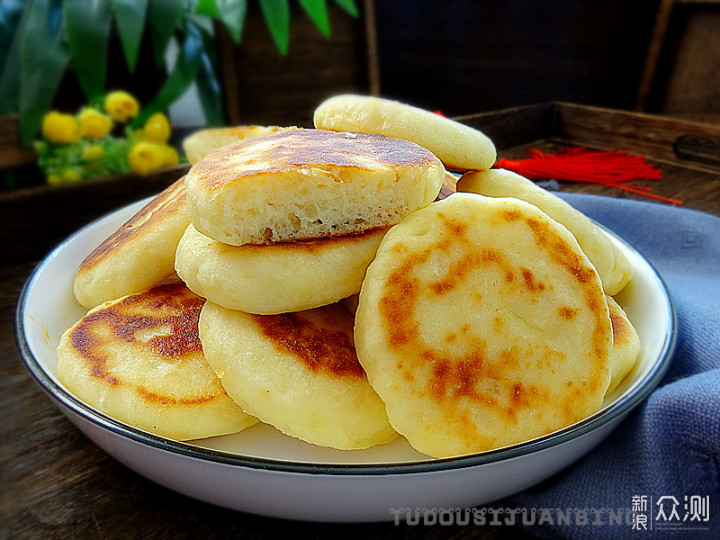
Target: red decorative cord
579,164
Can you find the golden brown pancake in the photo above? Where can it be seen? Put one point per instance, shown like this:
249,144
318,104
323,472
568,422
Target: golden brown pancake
202,142
626,345
139,360
307,184
281,277
458,145
612,265
139,254
298,372
481,324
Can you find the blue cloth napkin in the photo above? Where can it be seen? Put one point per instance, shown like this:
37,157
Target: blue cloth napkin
663,461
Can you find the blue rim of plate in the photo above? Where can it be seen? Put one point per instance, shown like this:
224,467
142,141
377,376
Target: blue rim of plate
623,405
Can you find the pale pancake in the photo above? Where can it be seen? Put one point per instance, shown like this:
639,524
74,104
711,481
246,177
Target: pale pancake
626,345
298,372
138,255
457,145
139,360
282,277
482,324
611,263
202,142
309,183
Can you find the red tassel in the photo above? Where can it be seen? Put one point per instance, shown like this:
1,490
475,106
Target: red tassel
579,164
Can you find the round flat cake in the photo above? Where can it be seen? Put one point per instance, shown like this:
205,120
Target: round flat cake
141,253
277,278
458,146
482,324
298,372
309,183
612,265
626,345
139,360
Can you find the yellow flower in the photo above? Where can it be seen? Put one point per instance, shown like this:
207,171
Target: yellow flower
60,128
93,152
171,156
71,175
54,179
157,128
146,157
121,106
95,125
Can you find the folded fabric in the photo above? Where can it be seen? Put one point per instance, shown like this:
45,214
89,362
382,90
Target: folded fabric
661,466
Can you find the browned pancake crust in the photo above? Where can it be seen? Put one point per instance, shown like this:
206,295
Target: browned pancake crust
290,150
621,330
172,307
167,203
455,378
321,339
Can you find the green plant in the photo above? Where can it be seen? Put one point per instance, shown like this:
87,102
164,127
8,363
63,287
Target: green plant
40,38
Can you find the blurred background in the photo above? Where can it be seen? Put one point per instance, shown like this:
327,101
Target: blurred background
271,62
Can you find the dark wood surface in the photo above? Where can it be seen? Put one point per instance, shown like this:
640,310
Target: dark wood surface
55,483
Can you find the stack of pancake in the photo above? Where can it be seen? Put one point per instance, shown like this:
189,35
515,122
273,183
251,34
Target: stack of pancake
482,320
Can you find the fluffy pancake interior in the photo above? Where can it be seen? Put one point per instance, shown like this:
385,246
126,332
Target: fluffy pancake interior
139,359
481,324
309,183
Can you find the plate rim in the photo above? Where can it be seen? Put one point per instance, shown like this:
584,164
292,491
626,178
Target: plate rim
617,409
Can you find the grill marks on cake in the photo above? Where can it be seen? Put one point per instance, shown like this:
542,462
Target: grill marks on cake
321,339
474,376
162,321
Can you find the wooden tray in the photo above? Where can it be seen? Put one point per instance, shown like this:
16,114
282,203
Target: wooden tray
688,153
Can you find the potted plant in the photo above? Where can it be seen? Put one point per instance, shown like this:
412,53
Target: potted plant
41,40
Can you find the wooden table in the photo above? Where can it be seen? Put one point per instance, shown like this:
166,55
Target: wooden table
55,483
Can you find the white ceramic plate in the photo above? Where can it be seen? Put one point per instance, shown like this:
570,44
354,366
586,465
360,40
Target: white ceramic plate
262,471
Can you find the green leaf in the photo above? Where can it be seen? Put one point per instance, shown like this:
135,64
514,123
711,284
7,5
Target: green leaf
10,75
210,94
43,59
183,74
349,6
88,29
130,20
10,16
317,10
232,15
209,8
208,86
277,18
164,16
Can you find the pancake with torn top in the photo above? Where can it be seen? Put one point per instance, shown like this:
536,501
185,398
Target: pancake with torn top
297,372
278,278
139,360
140,254
612,265
309,183
626,345
482,324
